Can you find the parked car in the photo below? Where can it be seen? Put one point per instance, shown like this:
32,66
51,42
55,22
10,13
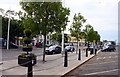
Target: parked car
109,48
70,48
53,49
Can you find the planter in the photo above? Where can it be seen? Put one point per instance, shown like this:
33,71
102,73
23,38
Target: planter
24,59
27,49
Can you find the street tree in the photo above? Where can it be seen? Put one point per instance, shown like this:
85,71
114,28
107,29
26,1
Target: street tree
57,36
96,36
90,34
86,31
44,17
75,28
16,28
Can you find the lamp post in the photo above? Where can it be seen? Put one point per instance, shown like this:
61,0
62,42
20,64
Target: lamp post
62,41
8,35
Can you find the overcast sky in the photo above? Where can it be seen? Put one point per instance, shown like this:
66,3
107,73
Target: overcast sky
101,14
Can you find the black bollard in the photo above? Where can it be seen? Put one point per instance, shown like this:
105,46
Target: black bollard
79,55
87,52
95,51
30,71
66,59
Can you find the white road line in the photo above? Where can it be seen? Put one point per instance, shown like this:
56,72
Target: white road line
107,57
101,63
101,72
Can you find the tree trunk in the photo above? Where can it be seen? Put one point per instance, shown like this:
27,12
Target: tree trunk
44,48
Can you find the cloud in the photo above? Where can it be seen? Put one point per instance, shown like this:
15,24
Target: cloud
101,14
10,4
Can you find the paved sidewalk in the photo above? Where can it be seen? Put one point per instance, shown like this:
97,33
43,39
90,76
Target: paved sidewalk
54,65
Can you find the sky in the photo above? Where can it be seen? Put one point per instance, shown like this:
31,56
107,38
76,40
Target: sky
101,14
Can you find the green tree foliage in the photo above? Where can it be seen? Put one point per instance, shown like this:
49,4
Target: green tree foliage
58,37
45,17
87,31
16,29
75,28
90,34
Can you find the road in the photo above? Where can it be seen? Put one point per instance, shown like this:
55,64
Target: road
105,63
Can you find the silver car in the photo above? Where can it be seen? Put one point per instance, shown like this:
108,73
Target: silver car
70,48
53,49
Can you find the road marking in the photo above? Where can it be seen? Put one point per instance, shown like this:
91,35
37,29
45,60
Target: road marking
107,57
102,63
101,72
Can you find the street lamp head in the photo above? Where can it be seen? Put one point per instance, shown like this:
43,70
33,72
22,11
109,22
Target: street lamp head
10,12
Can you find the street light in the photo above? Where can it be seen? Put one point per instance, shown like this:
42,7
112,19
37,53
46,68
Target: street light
62,41
8,13
62,29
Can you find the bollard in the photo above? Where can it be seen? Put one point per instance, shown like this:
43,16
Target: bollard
87,52
66,59
30,71
79,55
95,51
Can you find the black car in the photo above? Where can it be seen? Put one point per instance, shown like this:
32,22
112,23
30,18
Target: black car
55,49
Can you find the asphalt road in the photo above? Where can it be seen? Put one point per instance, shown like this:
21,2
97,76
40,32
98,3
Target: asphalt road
105,64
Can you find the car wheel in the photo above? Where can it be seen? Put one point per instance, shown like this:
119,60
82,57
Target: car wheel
53,52
59,50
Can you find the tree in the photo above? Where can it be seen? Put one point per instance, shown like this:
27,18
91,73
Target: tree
87,30
16,29
57,36
45,17
96,36
75,28
90,34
